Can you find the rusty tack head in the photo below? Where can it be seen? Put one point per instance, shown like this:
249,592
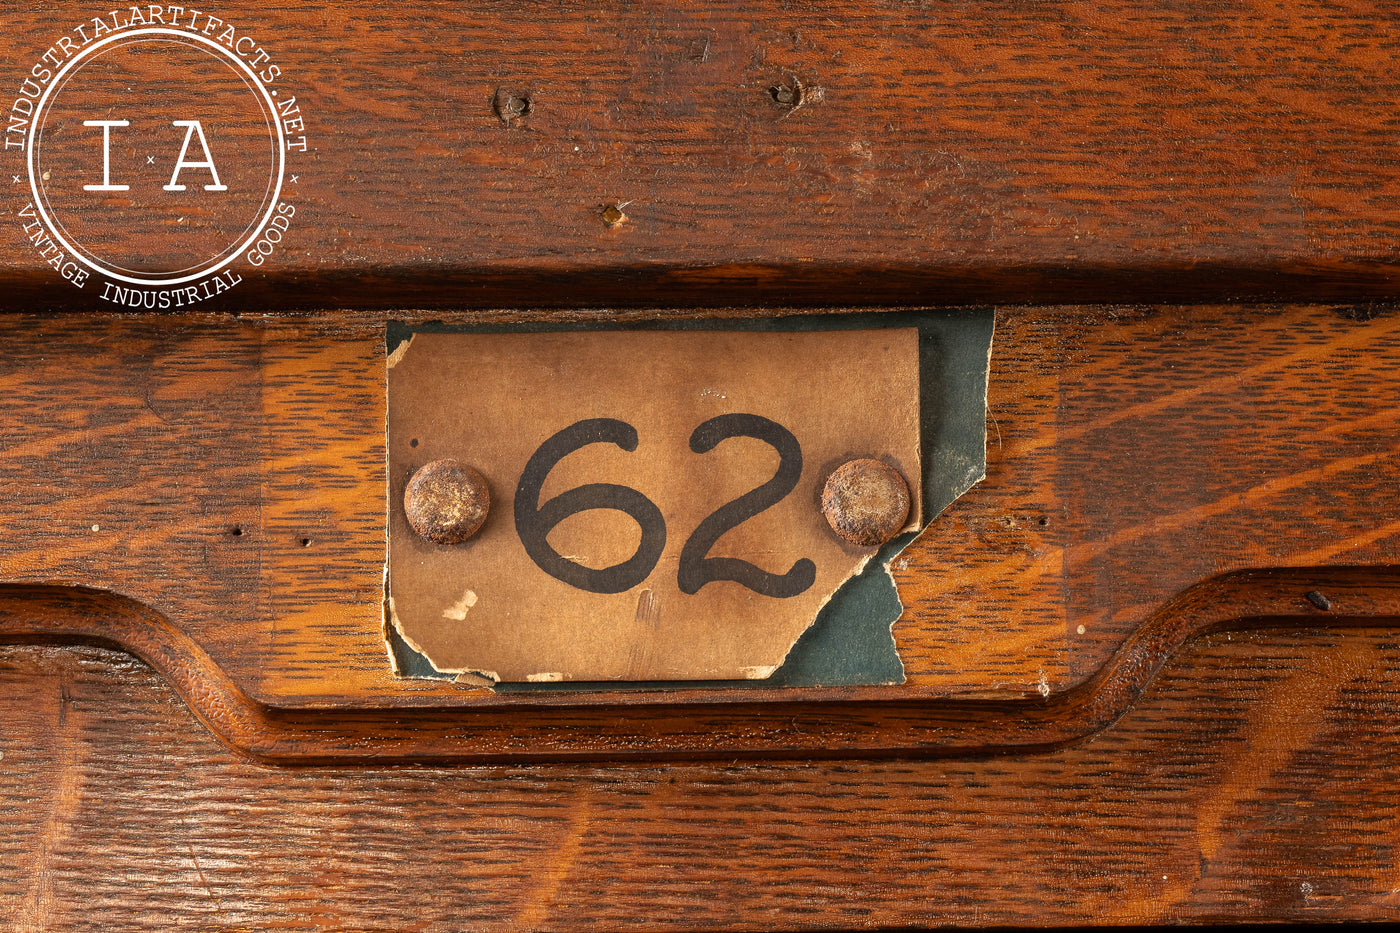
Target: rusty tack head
866,502
446,501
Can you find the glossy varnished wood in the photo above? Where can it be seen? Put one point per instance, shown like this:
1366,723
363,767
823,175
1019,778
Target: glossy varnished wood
1151,657
697,724
1249,783
233,471
1248,770
1133,451
969,151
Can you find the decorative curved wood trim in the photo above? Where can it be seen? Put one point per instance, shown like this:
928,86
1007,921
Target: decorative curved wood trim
828,724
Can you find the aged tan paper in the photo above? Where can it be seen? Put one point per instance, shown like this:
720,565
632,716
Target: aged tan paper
492,401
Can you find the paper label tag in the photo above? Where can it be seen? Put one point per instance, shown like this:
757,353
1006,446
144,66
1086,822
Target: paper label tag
655,503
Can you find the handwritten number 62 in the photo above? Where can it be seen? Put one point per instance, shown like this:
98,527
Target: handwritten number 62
534,521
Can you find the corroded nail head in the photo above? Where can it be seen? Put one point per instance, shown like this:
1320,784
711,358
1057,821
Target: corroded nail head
446,501
866,502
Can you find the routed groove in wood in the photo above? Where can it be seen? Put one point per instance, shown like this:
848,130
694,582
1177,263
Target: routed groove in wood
830,724
1254,780
1132,452
837,152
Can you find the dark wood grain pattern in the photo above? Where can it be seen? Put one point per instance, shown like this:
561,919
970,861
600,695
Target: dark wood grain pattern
987,151
696,724
236,477
1152,657
1247,784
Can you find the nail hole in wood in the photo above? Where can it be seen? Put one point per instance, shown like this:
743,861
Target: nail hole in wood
1318,600
511,105
613,216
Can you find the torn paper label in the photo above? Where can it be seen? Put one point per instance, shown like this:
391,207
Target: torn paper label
655,497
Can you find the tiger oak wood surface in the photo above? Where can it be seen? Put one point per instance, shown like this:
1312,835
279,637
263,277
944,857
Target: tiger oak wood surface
695,724
1164,448
1156,473
1132,450
232,479
1250,782
967,151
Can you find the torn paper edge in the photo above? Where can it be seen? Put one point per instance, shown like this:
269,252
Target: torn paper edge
465,675
483,678
968,483
393,360
459,611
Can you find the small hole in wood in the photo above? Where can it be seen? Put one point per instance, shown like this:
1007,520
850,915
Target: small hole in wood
236,531
511,105
306,542
413,443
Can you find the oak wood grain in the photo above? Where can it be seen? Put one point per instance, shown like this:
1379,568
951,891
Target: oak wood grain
1133,451
1249,783
1152,657
696,724
1144,479
234,471
1053,152
1251,773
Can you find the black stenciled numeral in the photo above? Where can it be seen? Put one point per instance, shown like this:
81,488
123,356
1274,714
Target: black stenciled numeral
533,521
696,569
